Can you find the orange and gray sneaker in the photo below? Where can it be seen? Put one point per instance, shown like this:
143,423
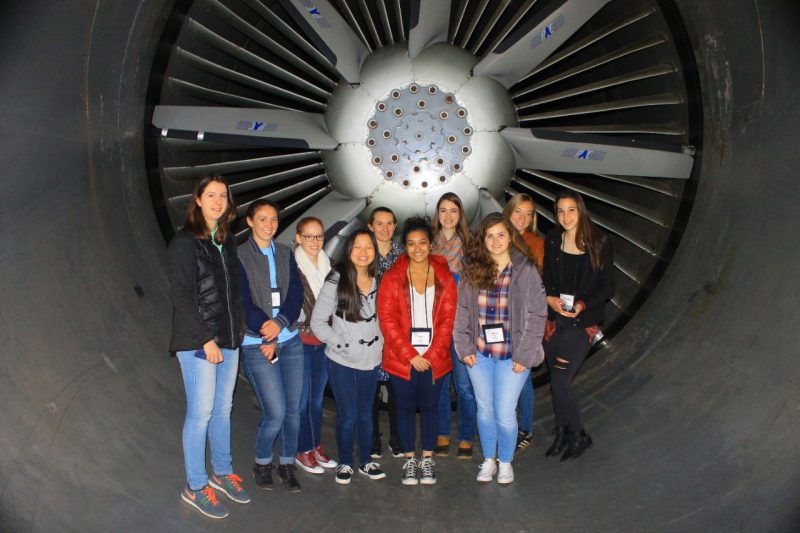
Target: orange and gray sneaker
230,486
442,446
205,500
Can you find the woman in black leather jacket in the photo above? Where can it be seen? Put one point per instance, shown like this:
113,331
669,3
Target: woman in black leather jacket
578,279
207,330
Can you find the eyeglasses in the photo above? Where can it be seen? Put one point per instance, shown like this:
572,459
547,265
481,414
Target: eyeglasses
312,238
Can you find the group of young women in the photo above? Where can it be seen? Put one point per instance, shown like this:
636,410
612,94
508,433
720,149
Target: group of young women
481,309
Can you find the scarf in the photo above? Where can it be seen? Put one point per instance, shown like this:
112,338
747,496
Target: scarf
315,275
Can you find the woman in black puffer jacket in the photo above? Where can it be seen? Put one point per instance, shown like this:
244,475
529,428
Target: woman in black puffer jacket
207,330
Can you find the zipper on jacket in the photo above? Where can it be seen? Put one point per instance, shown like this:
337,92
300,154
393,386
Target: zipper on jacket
227,293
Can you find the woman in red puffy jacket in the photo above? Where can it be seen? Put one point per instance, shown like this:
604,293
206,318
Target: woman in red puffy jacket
417,307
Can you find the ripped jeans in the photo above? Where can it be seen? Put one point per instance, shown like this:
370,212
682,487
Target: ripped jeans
565,352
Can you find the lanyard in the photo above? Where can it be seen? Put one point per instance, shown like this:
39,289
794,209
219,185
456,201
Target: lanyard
425,292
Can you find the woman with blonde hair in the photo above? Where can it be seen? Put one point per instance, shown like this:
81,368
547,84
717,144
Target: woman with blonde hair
521,211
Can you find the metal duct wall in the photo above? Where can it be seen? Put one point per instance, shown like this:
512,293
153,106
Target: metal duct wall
693,406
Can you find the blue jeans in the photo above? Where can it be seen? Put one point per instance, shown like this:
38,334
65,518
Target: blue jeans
497,389
353,390
315,377
525,407
465,401
209,398
277,387
418,392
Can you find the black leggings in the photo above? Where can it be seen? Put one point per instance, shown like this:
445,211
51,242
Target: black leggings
391,406
565,352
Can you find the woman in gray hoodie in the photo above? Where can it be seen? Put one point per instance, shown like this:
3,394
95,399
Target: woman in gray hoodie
345,319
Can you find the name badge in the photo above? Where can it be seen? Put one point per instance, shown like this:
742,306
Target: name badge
493,333
421,337
569,301
276,298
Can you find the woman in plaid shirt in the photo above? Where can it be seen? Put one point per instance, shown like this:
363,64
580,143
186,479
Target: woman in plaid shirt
498,334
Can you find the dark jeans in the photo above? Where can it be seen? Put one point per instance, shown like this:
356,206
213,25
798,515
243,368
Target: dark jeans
391,406
315,377
353,390
565,352
418,392
466,408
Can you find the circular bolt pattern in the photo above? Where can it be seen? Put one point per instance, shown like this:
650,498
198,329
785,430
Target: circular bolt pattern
425,140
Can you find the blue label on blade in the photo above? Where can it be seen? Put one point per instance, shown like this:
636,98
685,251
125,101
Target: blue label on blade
548,31
584,153
316,14
256,126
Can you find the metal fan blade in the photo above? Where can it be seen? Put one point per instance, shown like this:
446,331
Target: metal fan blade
597,154
532,43
331,34
256,127
430,20
335,210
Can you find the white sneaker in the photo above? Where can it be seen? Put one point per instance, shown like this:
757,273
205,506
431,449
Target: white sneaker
487,470
505,473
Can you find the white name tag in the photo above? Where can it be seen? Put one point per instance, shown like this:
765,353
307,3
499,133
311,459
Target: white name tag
569,301
421,337
493,333
276,298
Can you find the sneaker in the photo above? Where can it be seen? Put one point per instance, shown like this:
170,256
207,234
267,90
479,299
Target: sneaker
505,473
375,452
442,446
205,500
230,486
343,474
524,440
410,471
487,470
308,462
427,473
322,459
394,449
464,450
263,476
372,471
286,473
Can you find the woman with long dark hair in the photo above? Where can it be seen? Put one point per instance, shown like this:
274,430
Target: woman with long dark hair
451,237
207,330
579,279
416,303
345,318
520,210
498,334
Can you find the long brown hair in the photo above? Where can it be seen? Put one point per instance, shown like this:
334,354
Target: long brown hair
196,224
514,202
462,228
348,305
480,270
588,238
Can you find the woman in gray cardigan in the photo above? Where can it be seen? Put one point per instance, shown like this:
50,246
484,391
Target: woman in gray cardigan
346,320
498,334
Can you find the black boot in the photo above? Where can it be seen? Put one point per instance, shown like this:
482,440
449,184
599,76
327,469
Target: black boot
576,445
558,443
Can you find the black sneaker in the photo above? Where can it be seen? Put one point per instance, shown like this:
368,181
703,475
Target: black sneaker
394,449
343,474
263,475
372,471
410,472
427,474
375,450
523,440
286,473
